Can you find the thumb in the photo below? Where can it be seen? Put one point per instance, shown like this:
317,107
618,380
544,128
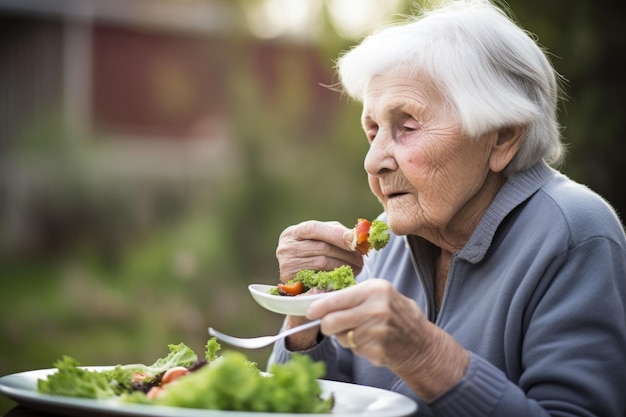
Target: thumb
349,239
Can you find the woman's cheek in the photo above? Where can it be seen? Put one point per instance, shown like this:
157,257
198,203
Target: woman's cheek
375,186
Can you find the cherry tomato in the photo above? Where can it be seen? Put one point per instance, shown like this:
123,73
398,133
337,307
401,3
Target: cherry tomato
173,374
154,392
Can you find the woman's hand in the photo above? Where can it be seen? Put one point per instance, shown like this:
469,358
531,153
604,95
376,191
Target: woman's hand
320,246
389,329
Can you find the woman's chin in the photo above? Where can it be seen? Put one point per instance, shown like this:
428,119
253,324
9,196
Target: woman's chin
399,223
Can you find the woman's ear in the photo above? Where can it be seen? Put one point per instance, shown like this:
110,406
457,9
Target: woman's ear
505,147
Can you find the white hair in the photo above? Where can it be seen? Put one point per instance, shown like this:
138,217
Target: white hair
490,70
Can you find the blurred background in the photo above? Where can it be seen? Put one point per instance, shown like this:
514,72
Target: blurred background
151,152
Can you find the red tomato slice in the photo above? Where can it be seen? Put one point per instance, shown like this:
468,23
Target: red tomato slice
362,233
173,374
291,289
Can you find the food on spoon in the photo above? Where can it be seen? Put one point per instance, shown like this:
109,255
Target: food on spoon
227,382
367,236
361,234
370,235
291,288
309,282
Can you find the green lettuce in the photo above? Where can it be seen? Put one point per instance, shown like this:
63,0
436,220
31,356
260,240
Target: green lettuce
71,380
227,382
210,349
74,381
234,383
379,234
180,355
337,279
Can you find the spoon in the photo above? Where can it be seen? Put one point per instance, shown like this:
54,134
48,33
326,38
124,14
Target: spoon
262,341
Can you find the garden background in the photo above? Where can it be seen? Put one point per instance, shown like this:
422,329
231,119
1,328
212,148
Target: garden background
151,154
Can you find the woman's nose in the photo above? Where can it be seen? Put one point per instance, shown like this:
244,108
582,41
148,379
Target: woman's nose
379,158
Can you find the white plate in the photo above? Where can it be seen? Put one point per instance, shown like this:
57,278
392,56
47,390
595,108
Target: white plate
294,306
350,400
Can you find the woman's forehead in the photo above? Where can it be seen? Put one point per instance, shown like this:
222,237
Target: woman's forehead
398,90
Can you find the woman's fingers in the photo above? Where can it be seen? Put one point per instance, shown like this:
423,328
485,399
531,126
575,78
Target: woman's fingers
373,320
332,232
315,245
350,304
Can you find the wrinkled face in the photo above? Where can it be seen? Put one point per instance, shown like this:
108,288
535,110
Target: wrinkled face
429,177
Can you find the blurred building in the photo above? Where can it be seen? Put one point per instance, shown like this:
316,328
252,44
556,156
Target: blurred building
129,93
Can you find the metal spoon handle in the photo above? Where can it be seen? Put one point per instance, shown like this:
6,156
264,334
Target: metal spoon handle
262,341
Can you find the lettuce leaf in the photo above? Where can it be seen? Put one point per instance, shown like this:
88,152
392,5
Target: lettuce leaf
74,381
379,235
71,380
227,382
180,355
337,279
211,349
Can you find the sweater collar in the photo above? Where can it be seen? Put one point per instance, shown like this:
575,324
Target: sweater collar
518,188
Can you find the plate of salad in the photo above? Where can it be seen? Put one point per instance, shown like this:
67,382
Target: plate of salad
183,385
295,296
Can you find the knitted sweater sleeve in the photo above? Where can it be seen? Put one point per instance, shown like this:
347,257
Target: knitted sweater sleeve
573,354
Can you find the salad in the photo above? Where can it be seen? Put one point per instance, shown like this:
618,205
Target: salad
366,236
370,235
310,282
181,379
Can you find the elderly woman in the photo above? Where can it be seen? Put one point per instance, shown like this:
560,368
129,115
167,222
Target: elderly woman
503,289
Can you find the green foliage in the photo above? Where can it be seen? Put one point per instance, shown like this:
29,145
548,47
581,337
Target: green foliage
586,43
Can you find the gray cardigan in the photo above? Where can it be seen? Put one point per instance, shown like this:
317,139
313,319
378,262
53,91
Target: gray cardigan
538,297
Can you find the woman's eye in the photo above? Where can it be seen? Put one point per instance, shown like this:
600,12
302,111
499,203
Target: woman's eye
371,134
411,125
